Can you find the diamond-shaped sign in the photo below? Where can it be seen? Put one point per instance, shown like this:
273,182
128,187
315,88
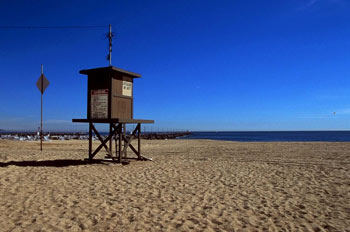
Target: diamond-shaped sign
42,83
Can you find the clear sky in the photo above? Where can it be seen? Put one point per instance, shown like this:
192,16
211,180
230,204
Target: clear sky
205,65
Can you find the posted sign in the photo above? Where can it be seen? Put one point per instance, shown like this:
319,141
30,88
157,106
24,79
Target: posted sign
99,103
42,83
127,88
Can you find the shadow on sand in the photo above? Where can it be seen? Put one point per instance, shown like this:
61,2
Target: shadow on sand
50,163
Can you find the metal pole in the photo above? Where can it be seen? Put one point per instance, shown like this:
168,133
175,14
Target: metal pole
41,120
110,44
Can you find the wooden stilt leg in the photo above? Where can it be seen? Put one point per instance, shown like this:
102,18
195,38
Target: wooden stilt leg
124,133
90,140
139,141
120,135
110,141
116,139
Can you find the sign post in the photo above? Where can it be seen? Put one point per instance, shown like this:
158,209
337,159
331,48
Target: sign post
42,84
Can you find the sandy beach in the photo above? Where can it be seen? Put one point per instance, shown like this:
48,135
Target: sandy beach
192,185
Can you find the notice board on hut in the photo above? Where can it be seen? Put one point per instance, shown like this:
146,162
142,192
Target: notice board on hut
99,103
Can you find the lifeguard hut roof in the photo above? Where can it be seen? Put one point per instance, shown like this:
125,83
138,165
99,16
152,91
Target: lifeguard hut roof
109,68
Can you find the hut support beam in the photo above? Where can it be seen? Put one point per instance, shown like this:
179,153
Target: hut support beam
118,131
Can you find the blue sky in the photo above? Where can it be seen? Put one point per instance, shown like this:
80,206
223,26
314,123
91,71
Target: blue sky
205,65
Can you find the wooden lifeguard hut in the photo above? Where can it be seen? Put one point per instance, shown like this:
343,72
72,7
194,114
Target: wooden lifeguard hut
110,100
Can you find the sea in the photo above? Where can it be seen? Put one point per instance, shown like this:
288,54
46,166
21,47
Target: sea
274,136
255,136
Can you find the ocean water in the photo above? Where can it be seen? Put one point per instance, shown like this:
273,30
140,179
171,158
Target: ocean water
275,136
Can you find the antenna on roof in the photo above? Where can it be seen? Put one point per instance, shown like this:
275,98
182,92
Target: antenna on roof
110,36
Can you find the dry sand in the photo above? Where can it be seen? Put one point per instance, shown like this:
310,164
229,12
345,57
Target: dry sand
191,185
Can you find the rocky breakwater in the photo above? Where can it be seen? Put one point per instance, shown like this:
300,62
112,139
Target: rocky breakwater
32,136
164,136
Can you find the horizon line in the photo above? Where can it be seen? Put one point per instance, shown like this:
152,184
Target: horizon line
175,131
